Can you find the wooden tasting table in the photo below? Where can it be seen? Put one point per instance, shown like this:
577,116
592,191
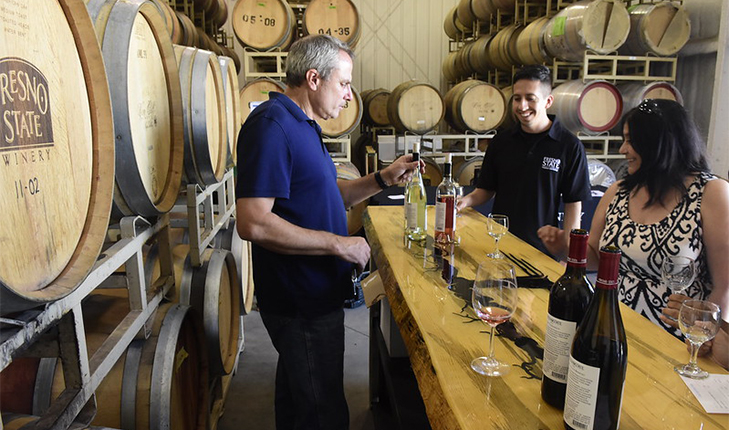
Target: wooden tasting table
443,335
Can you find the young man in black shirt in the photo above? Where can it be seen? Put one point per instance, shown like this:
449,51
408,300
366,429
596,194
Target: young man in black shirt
534,165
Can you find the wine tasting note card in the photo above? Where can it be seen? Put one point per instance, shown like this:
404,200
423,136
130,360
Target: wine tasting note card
712,392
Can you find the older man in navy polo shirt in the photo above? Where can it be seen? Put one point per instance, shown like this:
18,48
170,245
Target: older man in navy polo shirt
292,207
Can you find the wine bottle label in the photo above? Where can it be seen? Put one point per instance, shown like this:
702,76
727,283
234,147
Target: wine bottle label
440,216
581,397
411,213
557,343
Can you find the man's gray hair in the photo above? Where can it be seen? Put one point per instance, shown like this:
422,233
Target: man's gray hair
319,52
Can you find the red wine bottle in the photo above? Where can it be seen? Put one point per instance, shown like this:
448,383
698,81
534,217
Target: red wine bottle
599,356
568,301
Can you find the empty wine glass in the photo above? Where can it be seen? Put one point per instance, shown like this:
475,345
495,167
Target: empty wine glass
699,321
678,272
498,226
459,196
494,298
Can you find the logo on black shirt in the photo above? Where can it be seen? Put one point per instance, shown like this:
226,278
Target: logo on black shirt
552,164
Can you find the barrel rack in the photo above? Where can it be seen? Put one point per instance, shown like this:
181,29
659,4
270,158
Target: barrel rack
434,144
57,329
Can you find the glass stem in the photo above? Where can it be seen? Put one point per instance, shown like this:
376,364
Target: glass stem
497,246
491,343
694,355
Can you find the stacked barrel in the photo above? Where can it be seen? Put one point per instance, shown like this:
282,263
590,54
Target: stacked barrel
491,39
271,26
112,116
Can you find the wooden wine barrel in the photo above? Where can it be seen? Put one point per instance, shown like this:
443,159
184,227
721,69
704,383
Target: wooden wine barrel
635,92
530,43
188,33
56,151
433,173
349,171
449,24
504,5
158,383
375,107
203,100
359,151
147,112
483,9
264,24
450,69
510,119
590,108
203,5
218,12
479,53
228,52
18,422
232,105
502,49
464,14
170,19
463,60
600,25
16,386
660,28
337,18
415,106
229,239
214,291
474,105
466,171
204,40
347,120
256,92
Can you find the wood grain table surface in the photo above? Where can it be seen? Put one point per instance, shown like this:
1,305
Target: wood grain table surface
442,335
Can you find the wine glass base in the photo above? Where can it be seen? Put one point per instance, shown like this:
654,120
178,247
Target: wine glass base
489,366
495,255
691,372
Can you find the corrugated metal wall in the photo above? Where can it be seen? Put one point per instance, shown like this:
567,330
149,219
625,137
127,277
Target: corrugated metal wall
401,40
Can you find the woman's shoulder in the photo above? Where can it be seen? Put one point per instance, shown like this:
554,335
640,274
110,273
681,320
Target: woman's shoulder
716,191
610,194
613,189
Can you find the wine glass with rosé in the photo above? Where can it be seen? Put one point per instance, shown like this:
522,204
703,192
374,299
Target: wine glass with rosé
494,298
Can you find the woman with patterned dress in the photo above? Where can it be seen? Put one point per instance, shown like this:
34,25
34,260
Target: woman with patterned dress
669,204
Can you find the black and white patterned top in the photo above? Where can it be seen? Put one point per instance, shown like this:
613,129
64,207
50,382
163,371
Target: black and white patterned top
645,245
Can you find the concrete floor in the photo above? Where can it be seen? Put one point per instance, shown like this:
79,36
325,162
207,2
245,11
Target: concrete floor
250,400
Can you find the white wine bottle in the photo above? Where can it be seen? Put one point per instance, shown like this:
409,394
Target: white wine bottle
415,202
599,356
568,301
445,206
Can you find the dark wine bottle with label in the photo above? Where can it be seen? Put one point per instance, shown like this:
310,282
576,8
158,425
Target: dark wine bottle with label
599,357
568,301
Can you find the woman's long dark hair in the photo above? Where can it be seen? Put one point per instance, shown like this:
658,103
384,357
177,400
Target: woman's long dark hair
669,145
